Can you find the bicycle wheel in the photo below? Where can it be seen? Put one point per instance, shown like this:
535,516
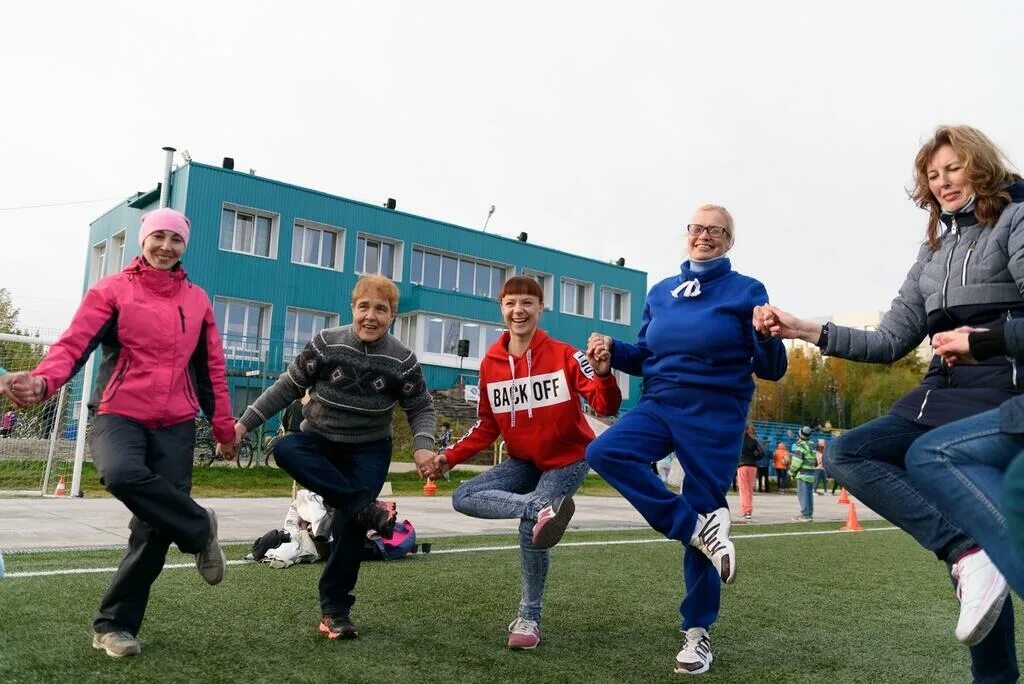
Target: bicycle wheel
204,452
244,456
269,442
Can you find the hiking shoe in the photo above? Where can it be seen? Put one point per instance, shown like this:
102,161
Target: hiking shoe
711,537
523,634
377,518
803,518
211,562
338,627
552,521
695,656
116,644
981,590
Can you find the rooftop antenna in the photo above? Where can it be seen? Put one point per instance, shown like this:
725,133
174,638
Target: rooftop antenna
490,213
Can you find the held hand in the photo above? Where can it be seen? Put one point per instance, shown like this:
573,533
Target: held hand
441,466
954,346
23,388
240,431
761,313
227,451
599,346
424,459
785,325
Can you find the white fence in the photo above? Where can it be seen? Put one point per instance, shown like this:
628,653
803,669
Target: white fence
40,445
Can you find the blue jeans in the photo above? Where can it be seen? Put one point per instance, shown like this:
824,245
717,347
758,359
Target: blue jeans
348,476
960,467
805,495
820,477
870,462
518,489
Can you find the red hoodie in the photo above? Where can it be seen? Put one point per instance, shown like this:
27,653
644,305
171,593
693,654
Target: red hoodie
162,354
533,402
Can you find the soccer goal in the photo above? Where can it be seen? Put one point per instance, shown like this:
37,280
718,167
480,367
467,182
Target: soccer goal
38,444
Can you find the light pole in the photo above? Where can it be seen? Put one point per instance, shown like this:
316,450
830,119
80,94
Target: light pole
490,213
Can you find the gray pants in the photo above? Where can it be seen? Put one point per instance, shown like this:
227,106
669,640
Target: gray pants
150,472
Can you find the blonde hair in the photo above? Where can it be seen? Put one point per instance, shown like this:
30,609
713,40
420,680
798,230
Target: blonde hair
379,286
987,169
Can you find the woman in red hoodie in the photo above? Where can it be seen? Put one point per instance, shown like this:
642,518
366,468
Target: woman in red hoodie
162,361
530,389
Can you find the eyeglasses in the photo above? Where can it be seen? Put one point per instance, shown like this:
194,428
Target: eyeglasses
696,229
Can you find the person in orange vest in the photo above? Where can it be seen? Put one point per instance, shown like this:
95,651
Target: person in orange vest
782,460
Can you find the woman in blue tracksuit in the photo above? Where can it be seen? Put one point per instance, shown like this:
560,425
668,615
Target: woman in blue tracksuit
696,351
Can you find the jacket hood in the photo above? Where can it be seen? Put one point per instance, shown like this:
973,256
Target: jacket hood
967,218
499,350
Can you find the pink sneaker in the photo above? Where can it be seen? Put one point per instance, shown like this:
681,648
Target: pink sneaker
552,521
523,634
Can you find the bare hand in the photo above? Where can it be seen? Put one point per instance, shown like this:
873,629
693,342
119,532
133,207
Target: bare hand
599,353
23,388
240,431
954,346
424,459
785,325
227,451
441,466
762,314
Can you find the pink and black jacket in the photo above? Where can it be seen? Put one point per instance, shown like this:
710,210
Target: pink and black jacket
162,355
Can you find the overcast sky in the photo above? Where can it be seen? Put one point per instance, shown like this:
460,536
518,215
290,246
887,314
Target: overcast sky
595,127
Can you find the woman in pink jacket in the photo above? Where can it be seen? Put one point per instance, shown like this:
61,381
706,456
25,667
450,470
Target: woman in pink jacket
162,362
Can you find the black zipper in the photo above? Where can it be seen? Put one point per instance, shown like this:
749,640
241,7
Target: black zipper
181,312
115,385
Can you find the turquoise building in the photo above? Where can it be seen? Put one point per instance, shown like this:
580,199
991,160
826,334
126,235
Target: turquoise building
279,262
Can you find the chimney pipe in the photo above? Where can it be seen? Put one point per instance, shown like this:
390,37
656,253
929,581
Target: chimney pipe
165,186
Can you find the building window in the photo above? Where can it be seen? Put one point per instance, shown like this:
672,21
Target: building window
376,255
300,325
116,260
244,327
577,297
546,282
442,336
456,274
99,261
622,380
248,231
614,305
317,245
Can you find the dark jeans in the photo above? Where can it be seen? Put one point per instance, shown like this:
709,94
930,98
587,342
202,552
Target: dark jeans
150,472
763,481
870,462
348,476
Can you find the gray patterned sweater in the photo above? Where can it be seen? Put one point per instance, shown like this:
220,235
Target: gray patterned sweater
354,388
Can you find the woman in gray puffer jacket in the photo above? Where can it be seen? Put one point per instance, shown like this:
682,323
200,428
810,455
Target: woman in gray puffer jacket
969,272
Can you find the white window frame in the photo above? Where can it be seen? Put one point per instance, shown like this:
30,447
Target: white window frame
238,349
339,244
398,251
292,347
624,305
547,284
459,259
275,229
414,328
118,243
622,380
588,297
98,267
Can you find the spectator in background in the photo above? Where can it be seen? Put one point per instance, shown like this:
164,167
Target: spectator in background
781,458
802,467
8,423
764,471
444,440
751,453
819,471
664,467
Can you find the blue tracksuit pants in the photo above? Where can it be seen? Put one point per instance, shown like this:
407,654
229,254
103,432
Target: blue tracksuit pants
705,429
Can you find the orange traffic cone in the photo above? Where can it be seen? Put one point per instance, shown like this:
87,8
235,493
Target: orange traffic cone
429,489
844,498
60,490
852,524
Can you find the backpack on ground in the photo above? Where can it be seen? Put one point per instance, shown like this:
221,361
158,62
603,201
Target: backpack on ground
401,543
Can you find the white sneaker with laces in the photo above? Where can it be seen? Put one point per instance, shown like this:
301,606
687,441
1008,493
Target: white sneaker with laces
695,656
981,590
711,536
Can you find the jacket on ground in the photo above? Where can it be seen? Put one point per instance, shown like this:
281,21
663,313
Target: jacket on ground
533,402
162,356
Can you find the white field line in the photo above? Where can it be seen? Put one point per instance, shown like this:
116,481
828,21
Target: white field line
474,549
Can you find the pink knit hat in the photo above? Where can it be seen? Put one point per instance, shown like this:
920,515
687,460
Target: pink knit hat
164,219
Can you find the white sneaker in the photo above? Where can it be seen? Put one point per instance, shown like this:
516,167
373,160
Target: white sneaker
695,656
711,536
981,590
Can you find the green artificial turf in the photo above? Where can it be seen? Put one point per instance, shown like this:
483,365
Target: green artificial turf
852,607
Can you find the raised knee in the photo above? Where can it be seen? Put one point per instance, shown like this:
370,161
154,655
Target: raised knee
459,498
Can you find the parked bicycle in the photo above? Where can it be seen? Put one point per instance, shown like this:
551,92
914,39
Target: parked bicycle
204,453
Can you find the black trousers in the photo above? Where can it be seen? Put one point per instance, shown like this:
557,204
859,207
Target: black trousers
150,472
348,477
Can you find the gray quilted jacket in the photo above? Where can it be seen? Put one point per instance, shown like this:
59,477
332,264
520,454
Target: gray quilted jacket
976,277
